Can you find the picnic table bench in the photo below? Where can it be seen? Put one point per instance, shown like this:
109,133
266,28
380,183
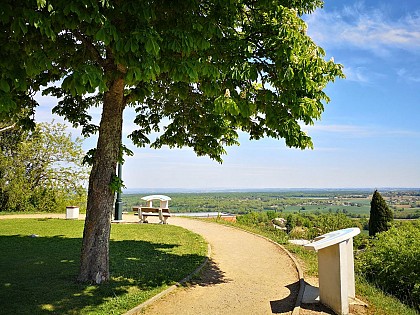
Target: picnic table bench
162,211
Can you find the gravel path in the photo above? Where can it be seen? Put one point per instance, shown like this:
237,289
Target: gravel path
246,275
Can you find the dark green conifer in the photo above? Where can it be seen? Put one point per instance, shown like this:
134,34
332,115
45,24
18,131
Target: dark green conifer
380,215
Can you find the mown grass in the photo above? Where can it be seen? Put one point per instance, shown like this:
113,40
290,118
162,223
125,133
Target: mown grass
38,274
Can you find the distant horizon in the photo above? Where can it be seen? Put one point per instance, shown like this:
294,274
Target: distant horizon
268,189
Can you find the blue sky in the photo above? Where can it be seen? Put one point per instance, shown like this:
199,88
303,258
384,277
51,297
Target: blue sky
369,134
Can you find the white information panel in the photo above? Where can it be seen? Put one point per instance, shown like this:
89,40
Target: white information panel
336,268
332,238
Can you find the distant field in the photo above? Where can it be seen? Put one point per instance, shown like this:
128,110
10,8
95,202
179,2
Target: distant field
362,210
354,203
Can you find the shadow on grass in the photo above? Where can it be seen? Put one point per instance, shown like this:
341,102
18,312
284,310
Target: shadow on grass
38,273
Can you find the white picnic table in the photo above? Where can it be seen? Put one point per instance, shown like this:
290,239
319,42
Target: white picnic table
162,211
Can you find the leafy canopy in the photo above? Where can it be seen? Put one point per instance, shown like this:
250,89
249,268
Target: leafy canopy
196,71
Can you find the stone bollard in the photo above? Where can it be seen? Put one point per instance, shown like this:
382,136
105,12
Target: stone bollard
336,268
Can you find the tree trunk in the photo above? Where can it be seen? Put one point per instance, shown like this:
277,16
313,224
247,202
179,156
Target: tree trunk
94,262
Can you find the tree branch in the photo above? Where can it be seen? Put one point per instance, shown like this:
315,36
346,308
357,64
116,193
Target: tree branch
8,127
92,49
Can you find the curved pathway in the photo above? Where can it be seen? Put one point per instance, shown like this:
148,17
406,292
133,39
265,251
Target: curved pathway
246,274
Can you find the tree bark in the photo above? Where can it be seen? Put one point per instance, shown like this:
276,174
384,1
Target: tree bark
94,262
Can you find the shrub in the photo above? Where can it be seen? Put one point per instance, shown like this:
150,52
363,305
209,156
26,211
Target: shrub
295,219
299,232
257,218
316,225
253,218
391,262
331,222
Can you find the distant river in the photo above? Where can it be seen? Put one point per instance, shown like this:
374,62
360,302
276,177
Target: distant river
320,198
200,214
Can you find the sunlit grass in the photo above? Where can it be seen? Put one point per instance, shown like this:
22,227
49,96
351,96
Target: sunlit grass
40,260
379,302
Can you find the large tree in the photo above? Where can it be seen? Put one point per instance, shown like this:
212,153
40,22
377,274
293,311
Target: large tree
196,71
381,215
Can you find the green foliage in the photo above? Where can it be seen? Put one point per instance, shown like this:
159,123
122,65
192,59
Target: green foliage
306,226
177,61
391,262
257,218
380,215
41,170
117,184
379,302
317,224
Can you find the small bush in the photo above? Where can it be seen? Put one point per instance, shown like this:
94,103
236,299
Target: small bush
257,218
299,232
315,225
391,262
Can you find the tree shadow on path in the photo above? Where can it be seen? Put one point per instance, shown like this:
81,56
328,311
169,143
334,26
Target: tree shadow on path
210,275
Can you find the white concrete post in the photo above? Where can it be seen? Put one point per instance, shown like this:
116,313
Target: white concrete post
336,268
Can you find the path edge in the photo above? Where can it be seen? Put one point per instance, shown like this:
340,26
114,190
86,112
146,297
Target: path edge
137,310
298,303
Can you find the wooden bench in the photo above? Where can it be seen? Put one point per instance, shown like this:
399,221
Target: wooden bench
144,212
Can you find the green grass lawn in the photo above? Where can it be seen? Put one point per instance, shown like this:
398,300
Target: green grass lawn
38,273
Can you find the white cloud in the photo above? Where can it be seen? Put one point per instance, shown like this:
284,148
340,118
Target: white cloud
411,75
340,129
356,74
365,28
362,131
